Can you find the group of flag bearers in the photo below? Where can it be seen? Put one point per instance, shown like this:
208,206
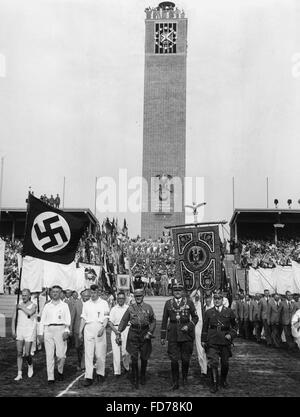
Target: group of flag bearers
132,326
132,329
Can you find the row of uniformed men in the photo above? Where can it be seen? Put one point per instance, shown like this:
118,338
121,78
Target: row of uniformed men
272,314
178,328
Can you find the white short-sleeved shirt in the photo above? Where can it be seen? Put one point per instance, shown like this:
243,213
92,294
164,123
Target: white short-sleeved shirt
116,314
95,311
55,313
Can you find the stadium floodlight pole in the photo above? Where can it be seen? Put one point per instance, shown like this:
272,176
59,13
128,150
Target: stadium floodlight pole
267,179
233,203
95,210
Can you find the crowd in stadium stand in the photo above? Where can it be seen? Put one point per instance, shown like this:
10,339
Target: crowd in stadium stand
11,272
150,263
267,254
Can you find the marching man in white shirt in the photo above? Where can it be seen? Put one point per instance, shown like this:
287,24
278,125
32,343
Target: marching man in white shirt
94,318
55,325
119,351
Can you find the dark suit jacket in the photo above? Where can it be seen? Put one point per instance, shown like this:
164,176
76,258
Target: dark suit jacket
254,311
186,315
286,312
76,316
264,307
213,318
274,312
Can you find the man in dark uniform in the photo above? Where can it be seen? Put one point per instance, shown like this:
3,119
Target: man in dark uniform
219,329
143,323
182,316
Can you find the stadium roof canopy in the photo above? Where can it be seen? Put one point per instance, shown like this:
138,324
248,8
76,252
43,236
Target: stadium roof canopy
12,222
265,223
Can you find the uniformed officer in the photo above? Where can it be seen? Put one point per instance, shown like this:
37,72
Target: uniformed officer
219,329
143,322
182,316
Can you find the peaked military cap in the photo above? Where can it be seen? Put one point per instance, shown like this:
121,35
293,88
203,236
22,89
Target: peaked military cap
177,286
139,291
218,294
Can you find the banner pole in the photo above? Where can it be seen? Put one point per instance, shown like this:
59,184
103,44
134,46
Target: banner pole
267,192
233,203
18,298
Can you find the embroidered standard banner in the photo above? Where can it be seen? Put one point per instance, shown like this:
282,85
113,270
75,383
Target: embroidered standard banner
197,255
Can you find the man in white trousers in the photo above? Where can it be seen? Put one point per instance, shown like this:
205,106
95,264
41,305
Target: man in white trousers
94,318
196,298
55,326
115,317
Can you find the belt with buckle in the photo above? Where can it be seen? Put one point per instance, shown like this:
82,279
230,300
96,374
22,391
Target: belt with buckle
56,324
219,327
136,327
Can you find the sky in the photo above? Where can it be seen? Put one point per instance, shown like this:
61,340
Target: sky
71,100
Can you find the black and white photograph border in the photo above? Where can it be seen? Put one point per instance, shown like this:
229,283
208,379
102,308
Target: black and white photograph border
121,122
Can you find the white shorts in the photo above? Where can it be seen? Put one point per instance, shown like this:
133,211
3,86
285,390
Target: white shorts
26,334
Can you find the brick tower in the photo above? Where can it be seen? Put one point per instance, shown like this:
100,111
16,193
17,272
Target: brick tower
164,135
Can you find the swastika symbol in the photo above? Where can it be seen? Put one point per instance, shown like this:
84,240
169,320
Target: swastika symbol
50,232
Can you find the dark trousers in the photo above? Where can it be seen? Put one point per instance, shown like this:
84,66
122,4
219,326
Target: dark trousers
136,343
214,352
241,328
288,335
180,351
257,326
276,330
247,329
267,331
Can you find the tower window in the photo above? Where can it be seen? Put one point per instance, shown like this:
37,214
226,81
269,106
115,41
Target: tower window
165,38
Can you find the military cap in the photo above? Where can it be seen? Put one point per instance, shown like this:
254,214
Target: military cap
177,286
218,294
138,291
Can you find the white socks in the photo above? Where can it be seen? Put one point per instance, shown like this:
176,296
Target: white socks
19,376
30,371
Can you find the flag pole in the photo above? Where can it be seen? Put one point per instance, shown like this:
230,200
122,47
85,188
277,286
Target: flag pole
267,192
233,204
21,268
95,210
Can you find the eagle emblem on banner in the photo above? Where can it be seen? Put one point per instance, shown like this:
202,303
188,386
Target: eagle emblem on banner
197,255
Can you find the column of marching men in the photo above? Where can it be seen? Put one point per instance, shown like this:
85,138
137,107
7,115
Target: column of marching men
68,320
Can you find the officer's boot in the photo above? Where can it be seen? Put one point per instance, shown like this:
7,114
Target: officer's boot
214,387
185,370
135,374
224,372
143,371
175,375
210,380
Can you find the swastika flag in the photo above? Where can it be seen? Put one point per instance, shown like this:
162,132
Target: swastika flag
50,233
